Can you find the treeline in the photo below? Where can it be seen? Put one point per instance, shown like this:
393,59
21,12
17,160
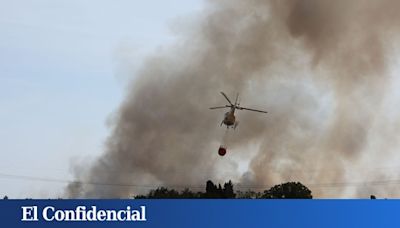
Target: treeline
289,190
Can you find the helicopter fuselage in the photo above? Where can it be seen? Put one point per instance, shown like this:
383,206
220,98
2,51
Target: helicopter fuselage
229,118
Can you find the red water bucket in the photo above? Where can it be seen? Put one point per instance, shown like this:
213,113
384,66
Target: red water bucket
221,151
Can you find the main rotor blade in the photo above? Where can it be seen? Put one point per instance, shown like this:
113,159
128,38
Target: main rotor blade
236,100
250,109
218,107
226,97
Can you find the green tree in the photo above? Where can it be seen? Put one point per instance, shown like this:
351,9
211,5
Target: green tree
212,191
187,194
289,190
228,192
162,193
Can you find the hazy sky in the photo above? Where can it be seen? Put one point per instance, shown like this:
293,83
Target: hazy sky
62,76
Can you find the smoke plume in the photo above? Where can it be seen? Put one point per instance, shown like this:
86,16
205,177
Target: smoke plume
320,68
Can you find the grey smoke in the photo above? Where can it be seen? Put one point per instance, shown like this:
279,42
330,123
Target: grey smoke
319,67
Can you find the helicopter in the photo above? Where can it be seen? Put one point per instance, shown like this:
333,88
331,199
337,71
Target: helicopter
229,118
